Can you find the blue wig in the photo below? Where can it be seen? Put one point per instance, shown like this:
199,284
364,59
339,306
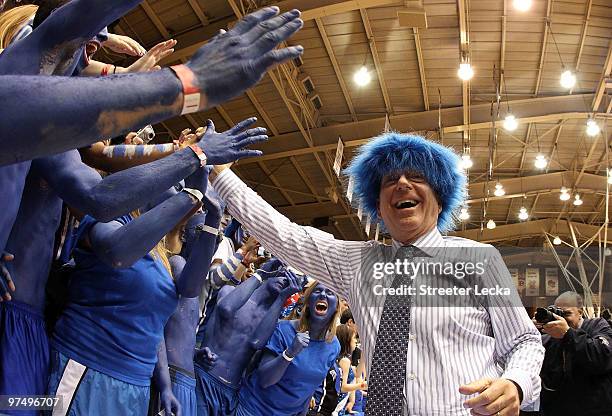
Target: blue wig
396,152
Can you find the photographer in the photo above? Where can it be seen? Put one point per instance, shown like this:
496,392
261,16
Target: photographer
577,370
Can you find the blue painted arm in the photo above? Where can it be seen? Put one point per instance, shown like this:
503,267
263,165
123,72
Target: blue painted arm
189,283
46,115
229,304
117,194
124,156
81,19
122,245
54,46
271,369
268,323
230,271
161,377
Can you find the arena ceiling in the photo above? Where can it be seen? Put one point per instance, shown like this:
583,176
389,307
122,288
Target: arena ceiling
517,58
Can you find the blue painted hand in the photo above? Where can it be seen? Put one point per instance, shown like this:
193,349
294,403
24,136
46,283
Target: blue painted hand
301,341
229,146
169,403
236,60
206,358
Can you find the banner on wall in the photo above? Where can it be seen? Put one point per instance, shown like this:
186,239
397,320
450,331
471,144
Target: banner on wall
339,155
349,189
552,282
532,282
514,273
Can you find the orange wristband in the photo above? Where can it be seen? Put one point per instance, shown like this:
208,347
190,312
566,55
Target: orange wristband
191,92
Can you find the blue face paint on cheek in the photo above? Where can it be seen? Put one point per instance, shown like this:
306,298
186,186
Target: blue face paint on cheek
321,293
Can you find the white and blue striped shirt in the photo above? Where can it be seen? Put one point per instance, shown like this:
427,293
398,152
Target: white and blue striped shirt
448,346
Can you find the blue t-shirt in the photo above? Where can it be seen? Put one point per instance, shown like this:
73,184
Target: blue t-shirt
115,318
291,394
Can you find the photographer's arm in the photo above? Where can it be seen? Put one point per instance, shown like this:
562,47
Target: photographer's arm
592,352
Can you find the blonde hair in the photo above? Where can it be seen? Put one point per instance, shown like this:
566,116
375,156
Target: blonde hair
159,252
11,21
304,324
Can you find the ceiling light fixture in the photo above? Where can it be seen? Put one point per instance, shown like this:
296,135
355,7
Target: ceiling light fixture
362,77
466,161
523,215
592,128
522,5
540,162
568,79
464,214
556,241
491,224
564,194
465,71
499,190
577,200
510,123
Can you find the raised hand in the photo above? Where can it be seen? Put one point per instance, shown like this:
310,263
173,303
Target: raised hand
124,44
230,145
149,60
6,282
301,341
236,60
206,358
187,138
294,284
271,268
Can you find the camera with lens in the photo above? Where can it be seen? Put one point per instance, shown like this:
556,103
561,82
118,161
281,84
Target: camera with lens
545,315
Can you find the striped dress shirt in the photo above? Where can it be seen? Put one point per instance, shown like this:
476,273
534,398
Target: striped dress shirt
448,346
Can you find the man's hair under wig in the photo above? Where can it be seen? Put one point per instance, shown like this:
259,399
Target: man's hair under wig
396,152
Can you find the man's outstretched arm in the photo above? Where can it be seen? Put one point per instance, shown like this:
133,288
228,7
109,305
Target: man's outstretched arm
312,251
46,115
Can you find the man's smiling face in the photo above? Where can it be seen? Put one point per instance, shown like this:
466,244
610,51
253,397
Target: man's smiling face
407,205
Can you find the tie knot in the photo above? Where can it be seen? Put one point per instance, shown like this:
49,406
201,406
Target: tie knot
409,252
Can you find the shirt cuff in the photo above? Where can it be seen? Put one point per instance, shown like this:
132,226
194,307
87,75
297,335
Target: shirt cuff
226,183
524,380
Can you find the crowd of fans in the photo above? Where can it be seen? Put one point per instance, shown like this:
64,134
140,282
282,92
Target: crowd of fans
129,290
148,303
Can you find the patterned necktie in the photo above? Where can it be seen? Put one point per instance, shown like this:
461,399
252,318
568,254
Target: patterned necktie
388,370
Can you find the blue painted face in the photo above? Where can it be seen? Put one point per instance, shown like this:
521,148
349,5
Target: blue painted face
322,305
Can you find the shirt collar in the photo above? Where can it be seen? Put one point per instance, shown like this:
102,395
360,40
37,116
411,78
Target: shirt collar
429,241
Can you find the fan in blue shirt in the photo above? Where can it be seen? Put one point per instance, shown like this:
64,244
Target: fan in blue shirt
295,360
120,296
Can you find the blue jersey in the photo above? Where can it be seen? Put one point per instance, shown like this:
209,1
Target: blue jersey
305,373
115,318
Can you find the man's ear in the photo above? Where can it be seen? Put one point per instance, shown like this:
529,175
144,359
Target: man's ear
378,208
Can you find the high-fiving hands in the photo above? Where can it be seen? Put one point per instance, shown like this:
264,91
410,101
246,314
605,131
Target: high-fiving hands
229,145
